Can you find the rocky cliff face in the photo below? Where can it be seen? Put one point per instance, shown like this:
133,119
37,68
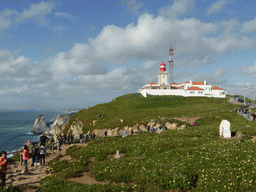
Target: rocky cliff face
40,125
62,119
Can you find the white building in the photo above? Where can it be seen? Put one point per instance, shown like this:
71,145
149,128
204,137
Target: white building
186,89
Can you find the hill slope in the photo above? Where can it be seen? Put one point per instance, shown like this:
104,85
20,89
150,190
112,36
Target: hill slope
134,108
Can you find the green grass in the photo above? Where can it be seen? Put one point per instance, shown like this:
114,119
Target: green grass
134,108
193,159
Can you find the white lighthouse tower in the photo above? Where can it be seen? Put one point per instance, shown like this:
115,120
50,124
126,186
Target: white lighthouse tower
163,75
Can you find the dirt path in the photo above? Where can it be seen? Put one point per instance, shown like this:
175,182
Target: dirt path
15,177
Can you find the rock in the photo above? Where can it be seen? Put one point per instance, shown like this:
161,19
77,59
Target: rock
170,126
117,155
248,126
158,124
62,119
94,122
99,132
142,128
109,133
182,127
76,128
239,135
115,131
40,125
151,123
28,143
225,129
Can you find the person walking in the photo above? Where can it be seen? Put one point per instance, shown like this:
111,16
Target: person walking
72,138
37,153
93,135
86,138
106,133
3,163
25,155
42,152
43,138
80,138
52,144
33,153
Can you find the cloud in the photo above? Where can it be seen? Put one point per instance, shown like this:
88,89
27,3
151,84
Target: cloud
133,6
59,28
35,11
249,71
249,26
64,15
216,6
43,8
178,8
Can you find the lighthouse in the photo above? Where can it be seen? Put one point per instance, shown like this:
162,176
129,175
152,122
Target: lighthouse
163,75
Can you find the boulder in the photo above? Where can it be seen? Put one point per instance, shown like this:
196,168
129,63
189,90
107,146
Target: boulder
115,131
182,127
28,143
142,128
152,123
170,126
99,132
62,119
76,128
40,125
94,122
239,135
158,124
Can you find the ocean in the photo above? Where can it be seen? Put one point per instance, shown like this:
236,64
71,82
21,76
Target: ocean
16,127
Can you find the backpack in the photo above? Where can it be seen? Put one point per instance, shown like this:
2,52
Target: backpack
42,151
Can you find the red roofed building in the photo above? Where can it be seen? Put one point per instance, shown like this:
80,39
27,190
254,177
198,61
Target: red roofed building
217,88
186,89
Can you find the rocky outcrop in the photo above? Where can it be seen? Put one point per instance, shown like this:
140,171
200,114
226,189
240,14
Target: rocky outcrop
40,125
170,126
76,128
62,119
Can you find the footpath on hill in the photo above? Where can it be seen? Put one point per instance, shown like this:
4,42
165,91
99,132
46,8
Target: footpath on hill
16,177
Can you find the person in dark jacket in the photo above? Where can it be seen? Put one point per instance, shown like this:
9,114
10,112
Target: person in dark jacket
43,138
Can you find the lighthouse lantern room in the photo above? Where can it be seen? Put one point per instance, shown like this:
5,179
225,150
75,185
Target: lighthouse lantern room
163,75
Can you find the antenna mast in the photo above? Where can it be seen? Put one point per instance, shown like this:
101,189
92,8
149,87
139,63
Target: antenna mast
171,65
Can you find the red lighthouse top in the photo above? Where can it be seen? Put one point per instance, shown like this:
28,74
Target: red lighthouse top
162,67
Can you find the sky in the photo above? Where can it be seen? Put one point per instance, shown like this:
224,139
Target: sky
76,54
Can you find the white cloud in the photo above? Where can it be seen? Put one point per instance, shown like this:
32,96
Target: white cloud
249,26
43,8
64,15
178,8
133,6
14,90
216,6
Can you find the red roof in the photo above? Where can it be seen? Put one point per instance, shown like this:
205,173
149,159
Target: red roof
217,88
194,88
153,83
174,83
197,83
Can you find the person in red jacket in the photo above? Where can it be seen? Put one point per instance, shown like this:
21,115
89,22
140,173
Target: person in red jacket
3,163
25,155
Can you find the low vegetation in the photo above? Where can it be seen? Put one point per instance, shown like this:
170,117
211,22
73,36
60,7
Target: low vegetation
193,159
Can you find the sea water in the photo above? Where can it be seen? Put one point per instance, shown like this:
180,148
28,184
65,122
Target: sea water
16,127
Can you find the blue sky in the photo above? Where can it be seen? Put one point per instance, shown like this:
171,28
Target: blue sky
68,54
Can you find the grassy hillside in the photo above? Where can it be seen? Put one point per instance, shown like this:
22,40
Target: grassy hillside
134,108
193,159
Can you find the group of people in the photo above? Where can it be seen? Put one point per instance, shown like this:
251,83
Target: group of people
155,128
89,137
35,151
61,139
